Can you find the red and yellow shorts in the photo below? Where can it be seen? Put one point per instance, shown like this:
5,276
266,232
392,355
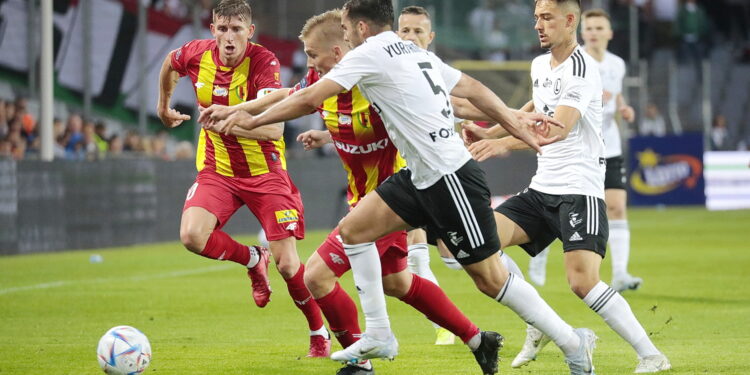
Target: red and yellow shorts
392,249
271,197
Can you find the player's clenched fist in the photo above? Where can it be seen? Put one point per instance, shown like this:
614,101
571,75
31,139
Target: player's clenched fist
313,139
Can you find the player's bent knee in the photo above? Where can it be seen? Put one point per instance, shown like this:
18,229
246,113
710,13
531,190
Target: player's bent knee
615,212
319,279
582,286
397,285
193,240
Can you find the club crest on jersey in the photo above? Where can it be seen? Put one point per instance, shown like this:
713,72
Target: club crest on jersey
558,86
345,119
242,92
220,91
286,216
574,220
455,238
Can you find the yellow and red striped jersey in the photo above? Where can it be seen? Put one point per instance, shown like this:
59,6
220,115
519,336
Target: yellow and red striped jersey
216,83
368,155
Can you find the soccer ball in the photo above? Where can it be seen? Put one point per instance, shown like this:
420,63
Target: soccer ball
123,350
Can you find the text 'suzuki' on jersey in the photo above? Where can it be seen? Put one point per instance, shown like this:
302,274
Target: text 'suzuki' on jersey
215,83
358,132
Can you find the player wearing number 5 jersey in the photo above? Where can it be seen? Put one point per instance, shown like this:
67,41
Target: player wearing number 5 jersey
442,188
243,168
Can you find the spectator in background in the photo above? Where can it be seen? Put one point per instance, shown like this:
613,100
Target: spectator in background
10,111
665,14
6,149
719,135
115,146
653,123
74,137
692,29
59,135
100,138
133,142
184,151
482,20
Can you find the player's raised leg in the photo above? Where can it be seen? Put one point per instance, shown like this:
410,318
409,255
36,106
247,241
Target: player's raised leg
419,264
210,202
278,206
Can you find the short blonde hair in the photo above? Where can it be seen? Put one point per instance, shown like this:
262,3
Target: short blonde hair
595,13
329,24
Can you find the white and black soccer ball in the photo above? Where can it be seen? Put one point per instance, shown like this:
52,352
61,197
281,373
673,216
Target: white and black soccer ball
123,350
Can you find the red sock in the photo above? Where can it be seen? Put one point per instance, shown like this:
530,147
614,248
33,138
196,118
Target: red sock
341,313
431,301
303,299
221,246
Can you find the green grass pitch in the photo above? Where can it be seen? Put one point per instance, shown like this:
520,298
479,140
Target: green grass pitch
200,318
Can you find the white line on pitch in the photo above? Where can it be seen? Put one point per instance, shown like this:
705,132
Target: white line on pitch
164,275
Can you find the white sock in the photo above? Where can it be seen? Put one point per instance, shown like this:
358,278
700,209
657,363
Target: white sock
419,261
606,302
474,342
366,269
619,243
322,331
254,257
451,263
511,265
524,300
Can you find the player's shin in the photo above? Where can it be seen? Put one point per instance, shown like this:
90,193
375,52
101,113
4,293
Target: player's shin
431,301
366,271
341,313
524,300
221,246
303,299
610,305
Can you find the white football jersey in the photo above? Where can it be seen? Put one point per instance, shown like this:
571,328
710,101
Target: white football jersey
576,164
410,89
612,70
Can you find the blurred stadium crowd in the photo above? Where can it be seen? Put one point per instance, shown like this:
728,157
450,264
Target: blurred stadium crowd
678,33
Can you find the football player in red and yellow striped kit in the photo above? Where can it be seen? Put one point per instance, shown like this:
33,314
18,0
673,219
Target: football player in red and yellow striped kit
244,168
369,157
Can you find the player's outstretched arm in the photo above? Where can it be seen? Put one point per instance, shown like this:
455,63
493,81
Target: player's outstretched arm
272,132
217,112
489,103
300,104
168,78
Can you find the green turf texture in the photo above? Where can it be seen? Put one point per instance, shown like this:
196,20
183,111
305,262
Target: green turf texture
200,318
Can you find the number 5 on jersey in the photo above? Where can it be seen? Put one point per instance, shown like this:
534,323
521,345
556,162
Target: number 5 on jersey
436,89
